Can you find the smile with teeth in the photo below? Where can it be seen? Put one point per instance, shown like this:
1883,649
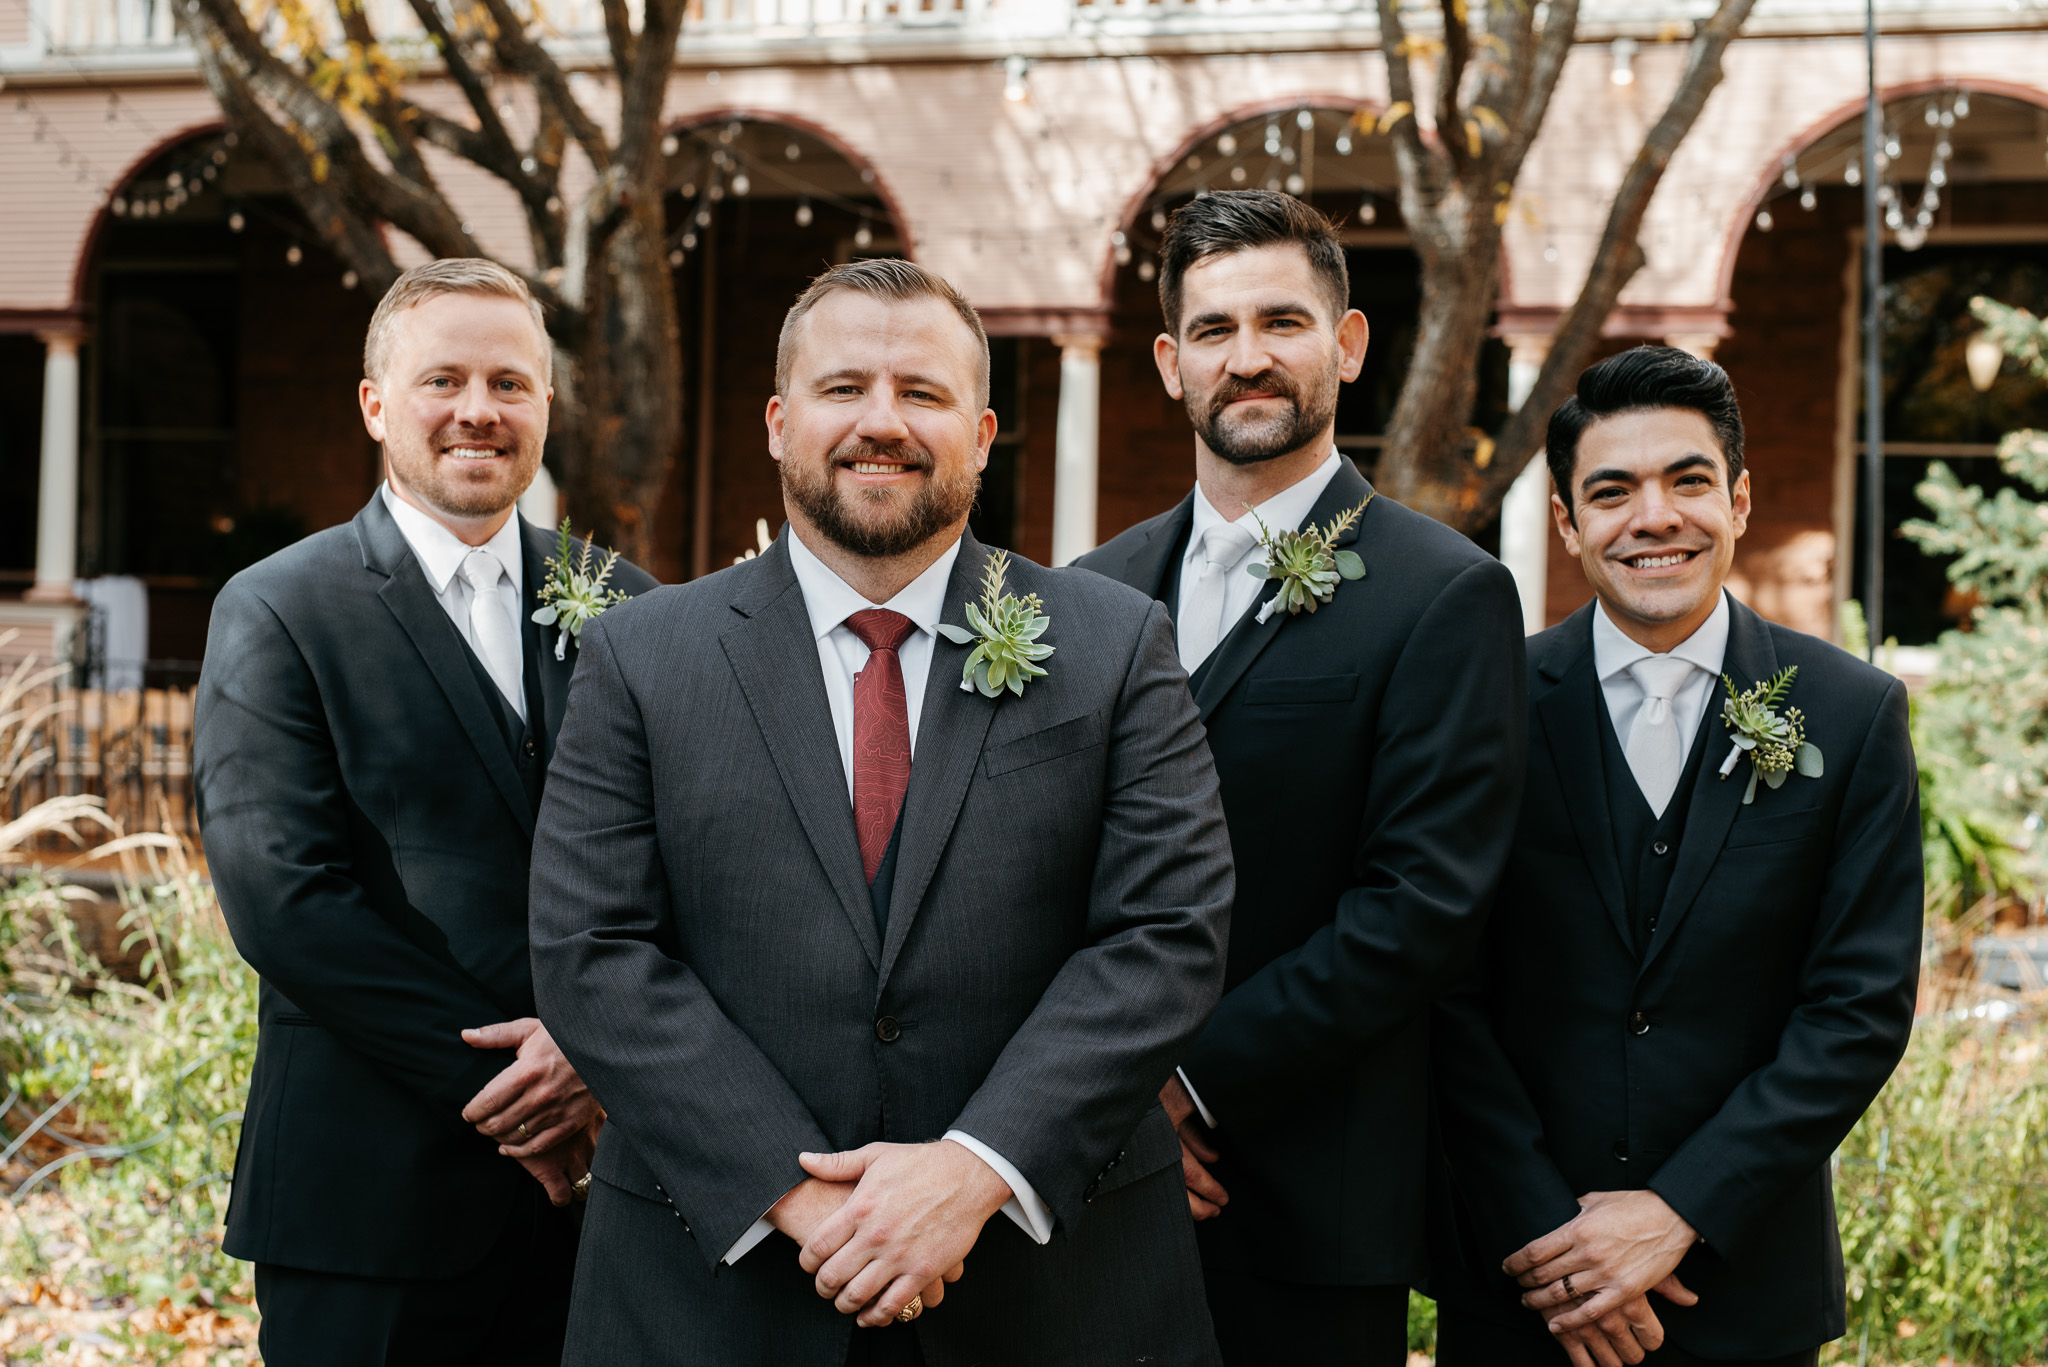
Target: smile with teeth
875,467
1659,560
473,452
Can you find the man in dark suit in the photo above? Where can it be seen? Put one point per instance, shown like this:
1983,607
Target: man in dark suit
1693,981
1370,754
372,735
857,953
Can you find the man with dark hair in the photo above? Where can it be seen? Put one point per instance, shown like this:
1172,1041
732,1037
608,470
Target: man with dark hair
876,970
1702,963
1370,754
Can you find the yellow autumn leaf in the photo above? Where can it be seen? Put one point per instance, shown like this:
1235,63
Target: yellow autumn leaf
319,168
1397,111
1473,142
1482,447
1490,120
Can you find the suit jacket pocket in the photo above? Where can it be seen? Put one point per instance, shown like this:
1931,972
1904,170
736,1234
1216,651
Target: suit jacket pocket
1152,1146
1062,738
1773,828
1305,688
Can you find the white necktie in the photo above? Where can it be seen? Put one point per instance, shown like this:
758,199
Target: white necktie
1655,750
490,627
1202,599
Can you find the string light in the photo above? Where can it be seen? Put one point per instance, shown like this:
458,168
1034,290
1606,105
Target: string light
803,213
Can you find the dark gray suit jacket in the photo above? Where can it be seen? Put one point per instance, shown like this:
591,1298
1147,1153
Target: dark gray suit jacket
368,813
705,951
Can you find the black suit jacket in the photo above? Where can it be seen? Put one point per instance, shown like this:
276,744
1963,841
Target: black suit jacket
1371,756
706,950
368,819
1722,1065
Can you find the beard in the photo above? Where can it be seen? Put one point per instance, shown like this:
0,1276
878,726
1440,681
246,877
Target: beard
867,522
1249,440
439,482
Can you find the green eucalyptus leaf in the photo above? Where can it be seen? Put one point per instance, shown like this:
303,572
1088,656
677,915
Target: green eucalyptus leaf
959,636
1809,761
1259,569
546,616
1749,793
1349,565
1776,779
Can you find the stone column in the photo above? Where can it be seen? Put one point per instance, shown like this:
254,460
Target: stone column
1525,524
1075,446
57,496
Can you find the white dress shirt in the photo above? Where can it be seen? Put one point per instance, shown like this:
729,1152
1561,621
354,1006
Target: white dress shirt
830,600
1613,652
441,553
1283,512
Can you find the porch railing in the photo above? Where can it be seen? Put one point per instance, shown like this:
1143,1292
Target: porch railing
130,747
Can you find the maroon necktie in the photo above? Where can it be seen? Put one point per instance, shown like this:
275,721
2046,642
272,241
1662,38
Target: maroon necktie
881,732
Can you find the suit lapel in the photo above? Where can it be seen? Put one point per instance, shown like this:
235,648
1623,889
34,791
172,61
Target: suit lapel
1716,801
774,655
950,730
1149,569
538,545
1250,637
1571,721
411,601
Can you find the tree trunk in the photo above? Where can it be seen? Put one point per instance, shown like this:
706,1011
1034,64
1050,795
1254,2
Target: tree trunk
624,430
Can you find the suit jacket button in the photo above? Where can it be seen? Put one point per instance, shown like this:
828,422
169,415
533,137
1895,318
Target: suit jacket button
1621,1151
1639,1024
1094,1190
887,1030
1661,847
531,750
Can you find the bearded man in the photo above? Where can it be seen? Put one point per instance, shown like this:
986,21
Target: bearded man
857,953
1371,755
371,740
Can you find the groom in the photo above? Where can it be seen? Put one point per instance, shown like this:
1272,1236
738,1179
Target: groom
1693,982
877,975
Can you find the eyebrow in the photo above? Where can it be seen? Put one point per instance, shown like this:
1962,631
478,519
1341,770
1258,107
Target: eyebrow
1286,308
1691,460
867,376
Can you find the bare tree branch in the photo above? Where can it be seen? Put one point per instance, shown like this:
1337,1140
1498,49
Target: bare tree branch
521,54
1422,167
1560,26
1450,119
387,109
1619,255
618,32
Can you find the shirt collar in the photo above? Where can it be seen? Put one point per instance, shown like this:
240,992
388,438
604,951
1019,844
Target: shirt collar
831,600
1706,648
1283,512
441,553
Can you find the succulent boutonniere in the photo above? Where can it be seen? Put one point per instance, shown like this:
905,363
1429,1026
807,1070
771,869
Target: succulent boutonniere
1775,742
574,591
1005,636
1306,563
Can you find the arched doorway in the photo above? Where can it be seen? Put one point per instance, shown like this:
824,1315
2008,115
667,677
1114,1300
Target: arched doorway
1333,158
223,348
1965,194
756,208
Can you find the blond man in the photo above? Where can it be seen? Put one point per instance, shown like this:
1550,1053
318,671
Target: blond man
373,730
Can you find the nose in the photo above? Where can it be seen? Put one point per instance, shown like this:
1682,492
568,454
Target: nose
1656,512
882,418
476,407
1249,354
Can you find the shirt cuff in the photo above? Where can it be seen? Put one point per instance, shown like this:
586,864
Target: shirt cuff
1024,1208
1196,1097
761,1229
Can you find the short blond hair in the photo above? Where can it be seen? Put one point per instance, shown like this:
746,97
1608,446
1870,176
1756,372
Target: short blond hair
880,277
450,275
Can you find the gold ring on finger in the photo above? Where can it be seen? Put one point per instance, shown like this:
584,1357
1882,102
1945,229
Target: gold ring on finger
912,1310
524,1133
1566,1283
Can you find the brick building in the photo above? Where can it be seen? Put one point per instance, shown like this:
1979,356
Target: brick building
178,354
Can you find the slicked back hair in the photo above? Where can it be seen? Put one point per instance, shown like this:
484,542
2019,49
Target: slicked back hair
888,278
1225,221
450,275
1642,378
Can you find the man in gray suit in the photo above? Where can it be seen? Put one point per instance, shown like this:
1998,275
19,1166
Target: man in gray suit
858,954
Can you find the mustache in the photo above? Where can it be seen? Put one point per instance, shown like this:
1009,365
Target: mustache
899,452
465,436
1270,383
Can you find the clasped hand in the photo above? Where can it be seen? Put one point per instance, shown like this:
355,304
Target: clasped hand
881,1224
540,1090
1591,1278
1206,1196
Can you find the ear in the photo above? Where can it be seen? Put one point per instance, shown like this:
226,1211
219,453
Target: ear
371,400
1354,334
775,415
1562,516
984,437
1166,355
1739,496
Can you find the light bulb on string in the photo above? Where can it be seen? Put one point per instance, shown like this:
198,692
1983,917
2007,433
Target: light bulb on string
1226,145
1368,212
1852,174
1295,184
1962,104
293,254
1273,185
1237,175
1933,116
1343,143
1304,120
740,184
236,222
689,242
803,213
675,258
119,206
792,152
1808,199
863,236
1764,221
670,145
703,218
349,280
1159,220
1272,139
715,193
1147,271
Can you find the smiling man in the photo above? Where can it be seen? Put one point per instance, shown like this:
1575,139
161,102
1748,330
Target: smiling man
877,974
371,739
1370,754
1701,966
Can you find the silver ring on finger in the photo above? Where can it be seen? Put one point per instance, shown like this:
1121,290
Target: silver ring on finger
524,1133
1566,1283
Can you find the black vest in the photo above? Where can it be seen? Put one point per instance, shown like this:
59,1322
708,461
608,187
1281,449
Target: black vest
1645,844
526,744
